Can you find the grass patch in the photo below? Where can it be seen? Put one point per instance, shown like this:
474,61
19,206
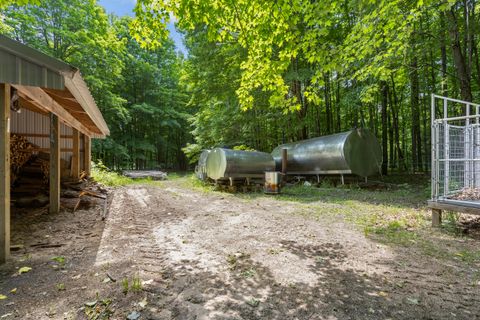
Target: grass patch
110,178
103,175
191,181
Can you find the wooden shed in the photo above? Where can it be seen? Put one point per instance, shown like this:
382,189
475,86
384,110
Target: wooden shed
47,103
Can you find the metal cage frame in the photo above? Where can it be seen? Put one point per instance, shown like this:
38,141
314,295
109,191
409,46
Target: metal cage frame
455,149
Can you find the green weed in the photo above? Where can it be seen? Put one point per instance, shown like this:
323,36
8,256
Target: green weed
104,176
125,286
249,273
136,284
99,309
468,256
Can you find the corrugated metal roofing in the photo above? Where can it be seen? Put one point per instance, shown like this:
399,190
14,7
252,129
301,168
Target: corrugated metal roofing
20,64
24,66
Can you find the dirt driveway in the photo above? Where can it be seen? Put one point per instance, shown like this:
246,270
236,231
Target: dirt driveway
171,252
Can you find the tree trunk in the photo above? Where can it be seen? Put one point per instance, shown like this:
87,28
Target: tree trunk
459,58
384,102
414,102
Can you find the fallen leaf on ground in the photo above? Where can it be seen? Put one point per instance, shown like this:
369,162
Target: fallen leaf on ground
143,303
91,303
14,290
147,282
3,297
24,270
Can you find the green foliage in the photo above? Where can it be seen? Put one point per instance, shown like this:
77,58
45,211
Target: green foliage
135,286
262,73
192,152
137,90
243,147
109,178
99,309
258,73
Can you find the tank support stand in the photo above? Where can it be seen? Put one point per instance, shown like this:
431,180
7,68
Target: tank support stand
436,218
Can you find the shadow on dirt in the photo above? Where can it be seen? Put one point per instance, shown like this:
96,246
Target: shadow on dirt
248,290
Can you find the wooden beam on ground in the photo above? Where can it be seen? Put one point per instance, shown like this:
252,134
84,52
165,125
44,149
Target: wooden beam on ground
75,169
4,172
42,100
87,149
54,164
453,207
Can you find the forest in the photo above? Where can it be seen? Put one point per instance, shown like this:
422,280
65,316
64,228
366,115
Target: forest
259,74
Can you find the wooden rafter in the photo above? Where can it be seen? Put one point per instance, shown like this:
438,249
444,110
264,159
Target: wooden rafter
42,100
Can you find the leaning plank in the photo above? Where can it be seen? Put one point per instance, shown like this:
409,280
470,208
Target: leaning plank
4,172
54,164
94,194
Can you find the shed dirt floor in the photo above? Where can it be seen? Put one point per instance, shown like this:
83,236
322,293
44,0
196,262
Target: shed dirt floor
171,252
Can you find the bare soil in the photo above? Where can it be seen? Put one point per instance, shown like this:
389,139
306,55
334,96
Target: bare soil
217,256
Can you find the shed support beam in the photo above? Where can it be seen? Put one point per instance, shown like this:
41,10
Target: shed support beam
4,172
87,149
43,101
54,164
75,169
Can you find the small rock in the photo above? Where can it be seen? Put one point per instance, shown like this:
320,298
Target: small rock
133,315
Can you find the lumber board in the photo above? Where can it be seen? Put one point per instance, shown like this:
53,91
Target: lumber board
42,135
78,89
54,164
4,172
75,168
43,101
87,158
453,207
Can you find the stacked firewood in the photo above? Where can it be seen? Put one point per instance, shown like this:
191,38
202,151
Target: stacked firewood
21,150
45,166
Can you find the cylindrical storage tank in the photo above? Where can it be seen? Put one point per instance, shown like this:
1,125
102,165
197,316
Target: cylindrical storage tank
353,152
226,163
201,168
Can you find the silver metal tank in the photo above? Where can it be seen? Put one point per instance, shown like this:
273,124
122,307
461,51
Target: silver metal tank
353,152
201,168
226,163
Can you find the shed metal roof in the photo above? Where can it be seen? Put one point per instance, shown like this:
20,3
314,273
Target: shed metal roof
24,66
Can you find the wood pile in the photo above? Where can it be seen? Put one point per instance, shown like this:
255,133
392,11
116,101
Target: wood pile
21,150
44,161
143,174
83,194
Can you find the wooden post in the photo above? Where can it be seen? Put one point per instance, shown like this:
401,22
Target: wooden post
436,218
284,164
4,172
75,169
54,164
87,154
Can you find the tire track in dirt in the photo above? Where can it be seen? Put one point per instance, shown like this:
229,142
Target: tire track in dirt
214,256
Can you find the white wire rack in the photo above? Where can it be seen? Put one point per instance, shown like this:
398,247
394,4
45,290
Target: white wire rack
455,147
